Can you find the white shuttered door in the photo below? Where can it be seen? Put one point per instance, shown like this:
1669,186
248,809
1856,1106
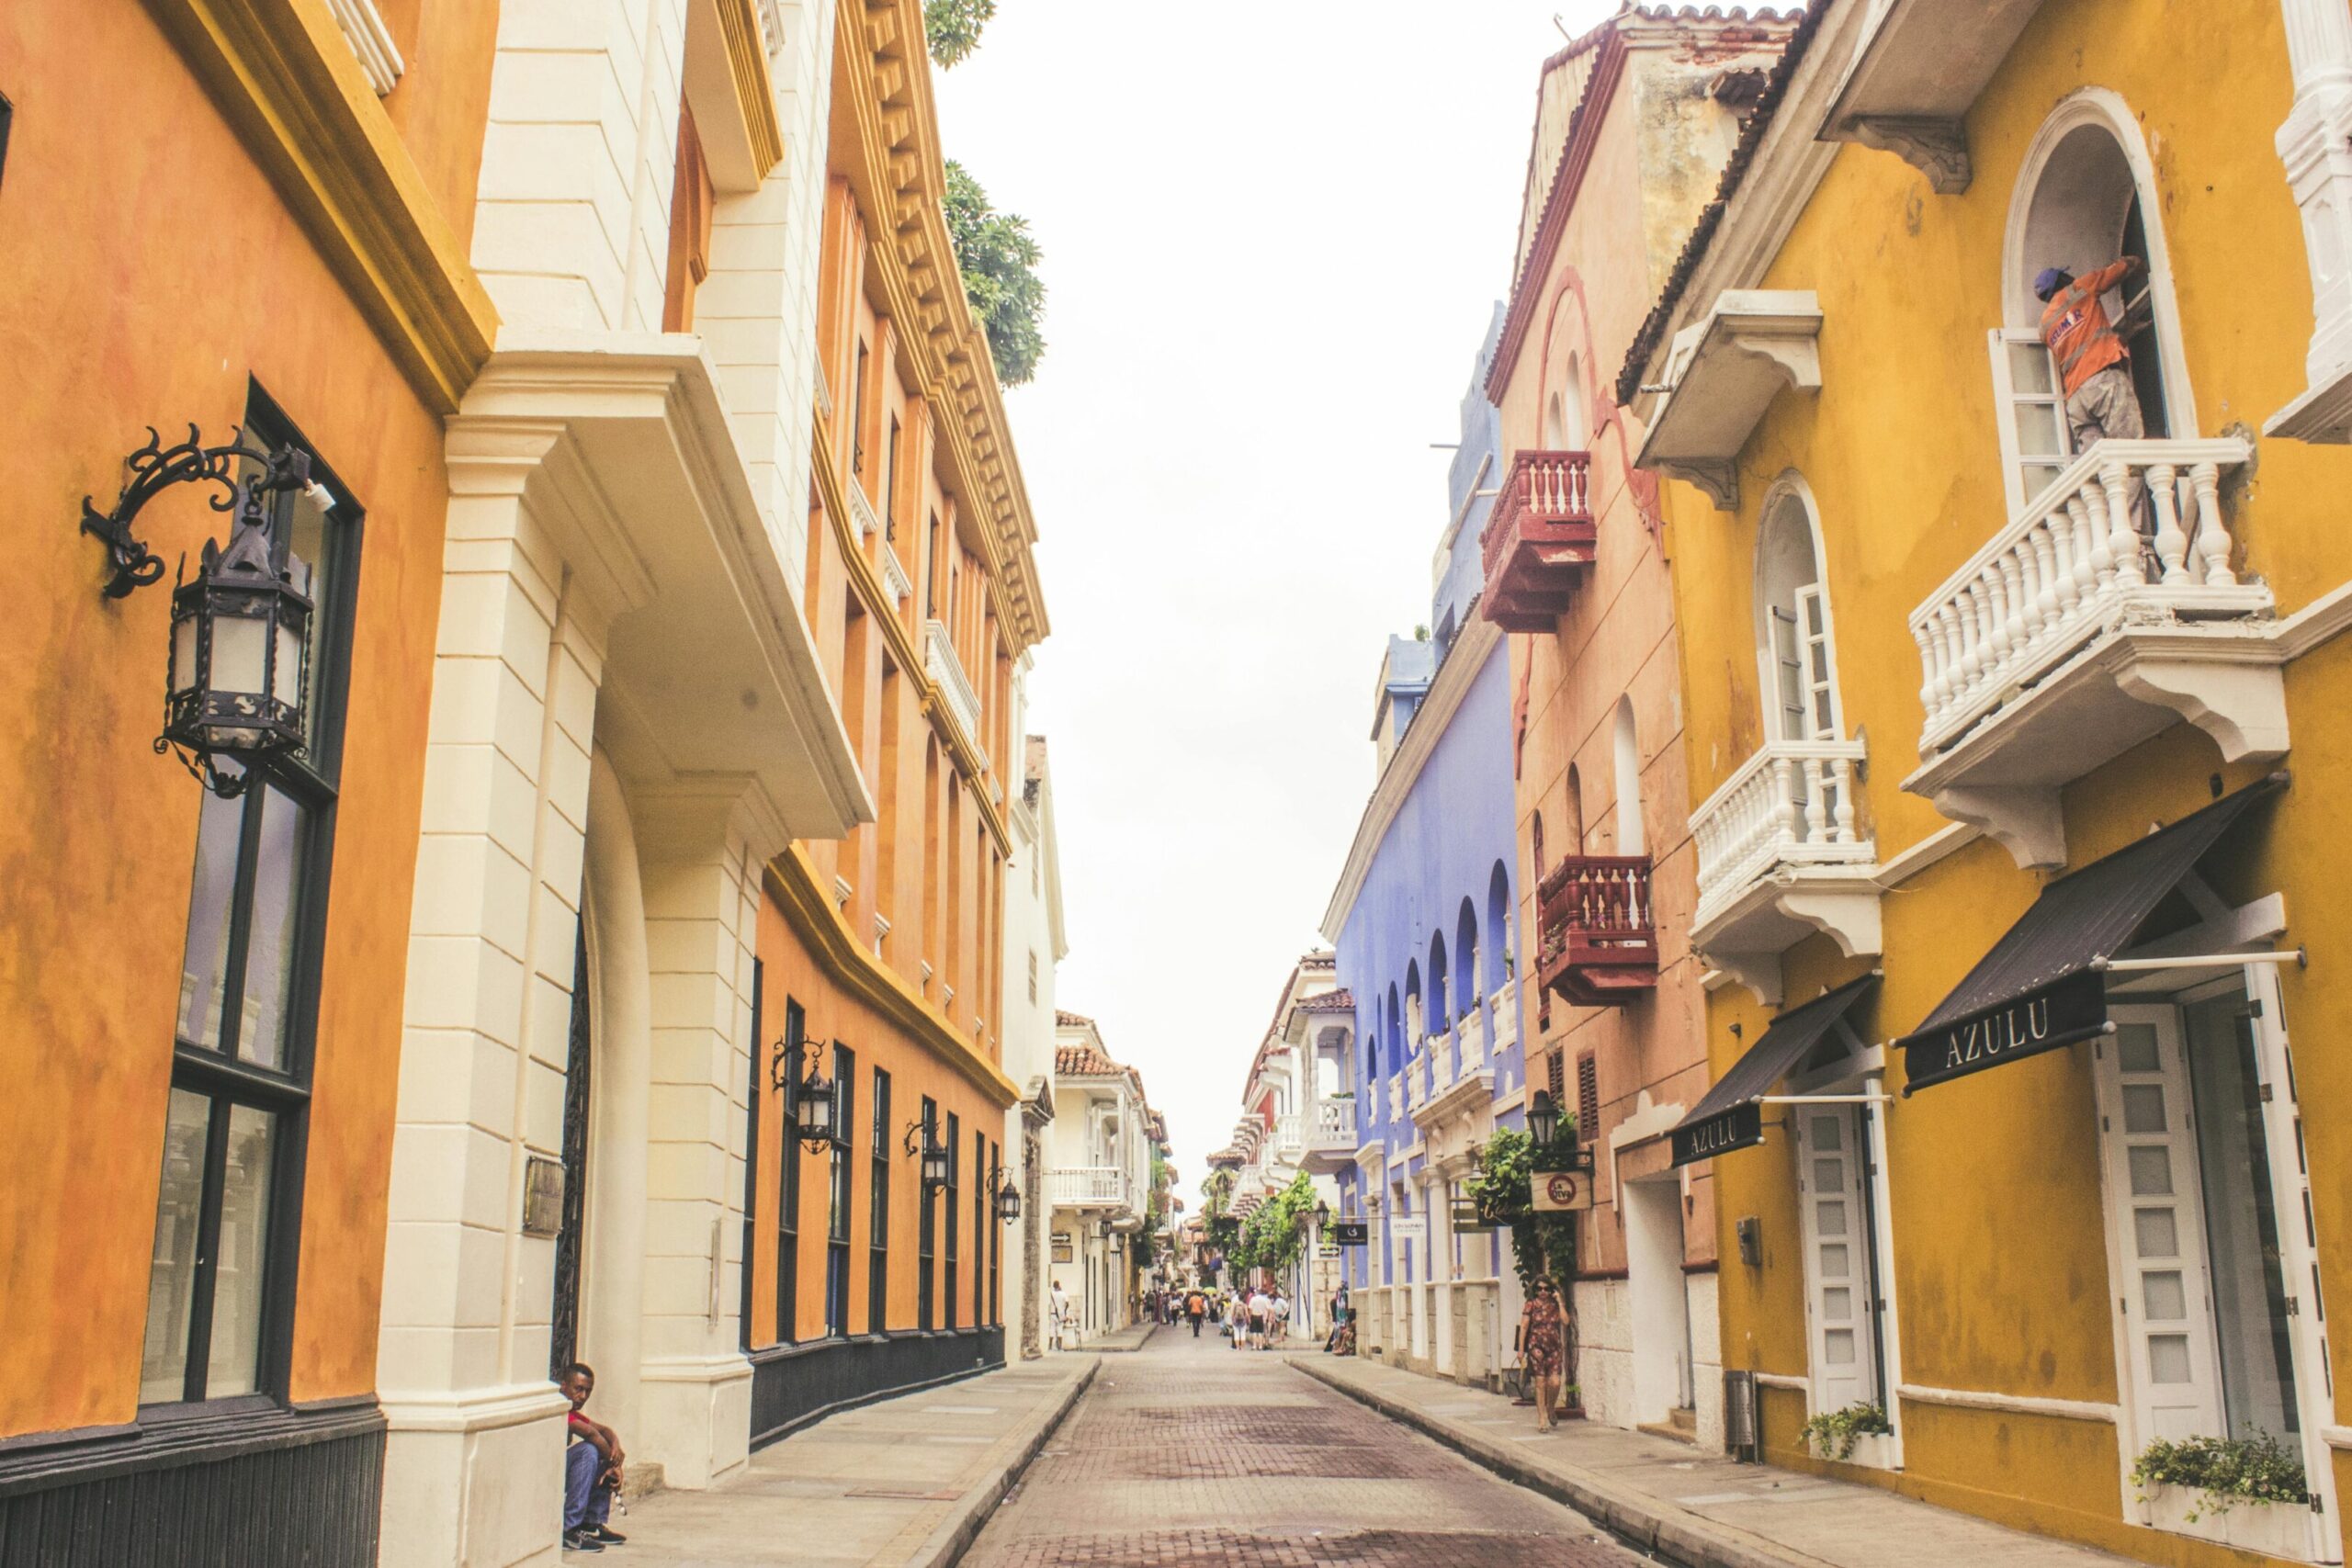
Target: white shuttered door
2034,441
2150,1147
1837,1242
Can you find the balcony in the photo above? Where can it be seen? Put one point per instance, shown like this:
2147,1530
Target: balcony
1539,542
2069,638
894,574
1916,76
1471,1033
1504,1005
1599,946
1451,1089
1331,1135
1286,1137
946,672
1417,1083
1780,857
1397,1097
1089,1187
861,511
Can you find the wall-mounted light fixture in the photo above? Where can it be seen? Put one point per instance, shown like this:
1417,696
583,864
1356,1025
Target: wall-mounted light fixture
922,1142
810,1117
1008,1196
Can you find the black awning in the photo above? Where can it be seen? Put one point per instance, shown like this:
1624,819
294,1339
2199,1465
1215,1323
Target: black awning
2043,986
1732,1115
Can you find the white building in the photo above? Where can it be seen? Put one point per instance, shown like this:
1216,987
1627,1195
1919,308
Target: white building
1034,945
1099,1175
1295,1073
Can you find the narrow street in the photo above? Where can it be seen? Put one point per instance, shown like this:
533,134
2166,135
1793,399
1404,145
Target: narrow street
1189,1454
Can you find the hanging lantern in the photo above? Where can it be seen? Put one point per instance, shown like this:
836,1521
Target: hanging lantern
922,1142
1008,1199
1543,1118
240,648
812,1106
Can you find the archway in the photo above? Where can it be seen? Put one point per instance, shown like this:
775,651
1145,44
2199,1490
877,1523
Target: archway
1794,648
1627,746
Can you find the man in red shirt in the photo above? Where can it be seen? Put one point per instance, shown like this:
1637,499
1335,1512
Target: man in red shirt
2094,367
592,1467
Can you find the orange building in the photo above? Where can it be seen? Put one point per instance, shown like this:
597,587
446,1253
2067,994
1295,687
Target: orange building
229,214
881,954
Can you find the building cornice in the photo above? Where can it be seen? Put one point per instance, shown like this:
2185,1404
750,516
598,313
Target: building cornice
902,174
1479,641
791,881
286,78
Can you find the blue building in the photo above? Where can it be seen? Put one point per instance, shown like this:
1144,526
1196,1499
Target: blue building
1422,923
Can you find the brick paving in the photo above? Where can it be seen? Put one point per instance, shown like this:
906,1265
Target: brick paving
1188,1454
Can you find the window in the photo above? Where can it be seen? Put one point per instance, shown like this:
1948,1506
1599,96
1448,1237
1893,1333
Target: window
842,1189
955,1215
1587,1097
890,482
857,414
1628,750
980,1235
926,1225
752,1160
996,1166
931,568
878,1230
787,1204
227,1207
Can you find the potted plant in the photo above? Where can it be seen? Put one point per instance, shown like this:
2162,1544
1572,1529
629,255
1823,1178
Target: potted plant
1856,1434
2249,1492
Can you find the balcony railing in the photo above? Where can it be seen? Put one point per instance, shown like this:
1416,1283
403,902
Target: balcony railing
1089,1186
1335,1125
861,511
946,671
1599,939
1397,1097
1286,1138
894,574
1504,1004
1472,1034
1439,1054
1417,1083
1791,804
1539,541
2070,567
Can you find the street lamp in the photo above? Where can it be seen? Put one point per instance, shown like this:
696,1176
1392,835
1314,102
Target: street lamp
811,1102
1543,1118
1322,1213
1008,1197
932,1152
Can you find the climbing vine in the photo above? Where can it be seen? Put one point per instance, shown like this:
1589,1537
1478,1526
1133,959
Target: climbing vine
1503,1189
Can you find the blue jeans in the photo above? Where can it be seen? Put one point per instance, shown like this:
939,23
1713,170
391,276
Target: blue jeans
585,1503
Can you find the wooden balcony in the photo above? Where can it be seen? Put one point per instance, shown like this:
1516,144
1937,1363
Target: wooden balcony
1599,946
1539,542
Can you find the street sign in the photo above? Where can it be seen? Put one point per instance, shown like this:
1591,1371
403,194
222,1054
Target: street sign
1561,1191
1327,1250
1349,1232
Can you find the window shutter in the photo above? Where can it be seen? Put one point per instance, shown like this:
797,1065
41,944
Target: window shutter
2030,413
1555,1077
1587,1098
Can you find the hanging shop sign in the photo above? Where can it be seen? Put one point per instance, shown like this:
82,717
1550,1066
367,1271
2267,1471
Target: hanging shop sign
1561,1191
1349,1232
2071,1007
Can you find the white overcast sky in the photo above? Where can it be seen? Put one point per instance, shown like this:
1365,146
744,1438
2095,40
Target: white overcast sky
1273,231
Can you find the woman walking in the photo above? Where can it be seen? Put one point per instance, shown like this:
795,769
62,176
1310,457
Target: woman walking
1543,1345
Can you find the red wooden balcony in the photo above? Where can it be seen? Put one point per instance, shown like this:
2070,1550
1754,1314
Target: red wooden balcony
1538,542
1599,940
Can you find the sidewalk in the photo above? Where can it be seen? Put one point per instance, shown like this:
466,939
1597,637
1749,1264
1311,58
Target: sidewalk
1692,1507
903,1482
1131,1337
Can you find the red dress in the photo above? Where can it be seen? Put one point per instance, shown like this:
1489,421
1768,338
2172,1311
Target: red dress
1544,1342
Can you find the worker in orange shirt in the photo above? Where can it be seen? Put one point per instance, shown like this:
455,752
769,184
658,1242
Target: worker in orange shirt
2094,367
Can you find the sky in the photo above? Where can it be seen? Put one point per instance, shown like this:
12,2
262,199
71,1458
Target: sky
1273,233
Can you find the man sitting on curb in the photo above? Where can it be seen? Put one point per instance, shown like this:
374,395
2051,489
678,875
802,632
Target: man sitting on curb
592,1468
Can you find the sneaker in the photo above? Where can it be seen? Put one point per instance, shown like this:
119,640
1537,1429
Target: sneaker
580,1540
606,1534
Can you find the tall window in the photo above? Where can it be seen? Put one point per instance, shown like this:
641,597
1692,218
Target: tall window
931,568
890,482
857,414
955,1190
877,1229
980,1236
996,1237
787,1204
752,1160
926,1225
229,1205
843,1188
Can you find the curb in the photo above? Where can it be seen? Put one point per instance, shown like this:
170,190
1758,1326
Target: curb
1676,1535
1150,1329
945,1546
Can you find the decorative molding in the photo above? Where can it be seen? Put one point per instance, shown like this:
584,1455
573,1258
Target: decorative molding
747,63
1937,148
2011,1403
824,933
286,76
1783,1381
2317,623
372,41
1946,840
1724,370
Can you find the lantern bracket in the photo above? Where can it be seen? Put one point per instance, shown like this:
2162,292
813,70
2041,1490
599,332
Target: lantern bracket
155,467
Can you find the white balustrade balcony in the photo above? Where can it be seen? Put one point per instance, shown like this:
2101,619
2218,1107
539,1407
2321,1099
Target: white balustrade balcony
894,574
1286,1135
1417,1083
1089,1187
1470,1032
1781,855
1397,1097
861,511
1438,1054
946,671
2070,638
1504,1005
1334,1129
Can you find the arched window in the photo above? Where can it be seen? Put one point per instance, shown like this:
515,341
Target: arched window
1629,781
1499,928
1794,640
1415,1024
1535,833
2085,195
1567,422
1576,811
1465,959
1440,1016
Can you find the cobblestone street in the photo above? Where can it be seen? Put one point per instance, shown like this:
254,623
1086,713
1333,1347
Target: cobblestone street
1189,1454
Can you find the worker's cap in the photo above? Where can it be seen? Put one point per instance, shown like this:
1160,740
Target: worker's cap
2047,281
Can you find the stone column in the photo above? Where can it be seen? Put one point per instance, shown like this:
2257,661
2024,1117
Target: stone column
1036,1220
2316,144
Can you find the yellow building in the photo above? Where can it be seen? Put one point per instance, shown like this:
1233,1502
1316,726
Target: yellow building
2026,737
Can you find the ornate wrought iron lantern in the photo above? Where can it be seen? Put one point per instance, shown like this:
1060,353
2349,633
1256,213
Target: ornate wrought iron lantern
235,684
811,1102
1008,1196
922,1142
1322,1214
1543,1118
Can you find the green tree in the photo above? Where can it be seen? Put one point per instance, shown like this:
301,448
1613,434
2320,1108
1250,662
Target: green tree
998,260
952,28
